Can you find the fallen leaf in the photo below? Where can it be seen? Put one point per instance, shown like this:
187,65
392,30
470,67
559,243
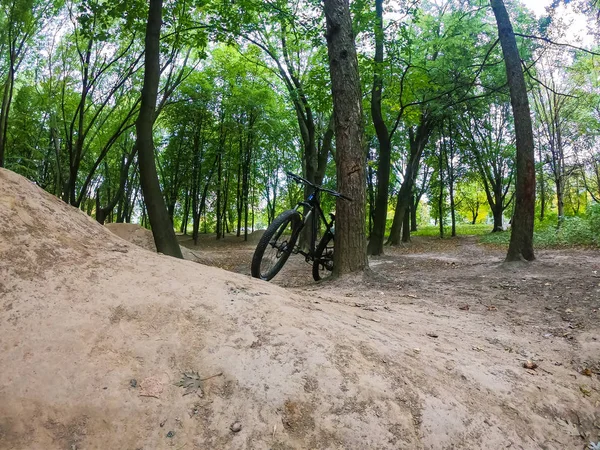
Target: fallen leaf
587,372
151,387
192,383
585,391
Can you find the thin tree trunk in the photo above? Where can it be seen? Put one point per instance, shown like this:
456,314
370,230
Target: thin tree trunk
350,242
5,107
186,212
162,229
371,192
219,195
103,212
406,225
542,185
441,196
413,213
239,200
521,240
418,140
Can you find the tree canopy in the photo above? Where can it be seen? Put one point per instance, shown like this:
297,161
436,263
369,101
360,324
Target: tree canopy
244,94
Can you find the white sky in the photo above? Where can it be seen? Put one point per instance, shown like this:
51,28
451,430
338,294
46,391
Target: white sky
577,33
537,6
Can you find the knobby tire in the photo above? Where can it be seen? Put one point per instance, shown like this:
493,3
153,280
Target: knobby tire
283,244
323,263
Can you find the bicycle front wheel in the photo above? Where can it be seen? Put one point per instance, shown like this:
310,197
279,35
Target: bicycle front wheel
276,245
323,263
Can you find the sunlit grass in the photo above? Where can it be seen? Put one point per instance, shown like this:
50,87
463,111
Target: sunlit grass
462,229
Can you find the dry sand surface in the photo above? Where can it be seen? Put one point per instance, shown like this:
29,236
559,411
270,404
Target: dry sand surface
96,333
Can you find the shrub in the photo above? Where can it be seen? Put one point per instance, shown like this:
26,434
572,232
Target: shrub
574,231
593,216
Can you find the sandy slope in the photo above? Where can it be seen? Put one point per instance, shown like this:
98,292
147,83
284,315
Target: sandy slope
83,313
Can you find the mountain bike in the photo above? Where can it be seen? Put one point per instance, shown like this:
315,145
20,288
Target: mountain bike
279,240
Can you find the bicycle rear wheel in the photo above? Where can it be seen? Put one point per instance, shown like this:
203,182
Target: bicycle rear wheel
323,263
276,245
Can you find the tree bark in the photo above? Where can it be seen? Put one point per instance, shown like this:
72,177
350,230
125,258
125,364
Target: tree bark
377,236
103,212
413,213
542,186
441,196
350,240
418,141
162,229
406,225
5,107
521,240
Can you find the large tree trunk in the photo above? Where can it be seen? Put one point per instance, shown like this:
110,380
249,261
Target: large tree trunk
521,240
377,236
350,241
162,229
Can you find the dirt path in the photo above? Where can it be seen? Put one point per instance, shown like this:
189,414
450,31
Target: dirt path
468,322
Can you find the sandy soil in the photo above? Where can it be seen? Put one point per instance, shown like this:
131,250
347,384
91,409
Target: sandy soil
424,352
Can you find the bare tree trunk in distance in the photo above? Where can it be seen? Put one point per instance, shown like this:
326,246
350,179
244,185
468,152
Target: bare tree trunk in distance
162,229
521,239
350,239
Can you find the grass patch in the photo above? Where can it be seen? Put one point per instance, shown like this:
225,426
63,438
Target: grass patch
583,231
462,229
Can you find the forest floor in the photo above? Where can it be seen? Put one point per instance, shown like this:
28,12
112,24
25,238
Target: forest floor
470,316
558,295
105,344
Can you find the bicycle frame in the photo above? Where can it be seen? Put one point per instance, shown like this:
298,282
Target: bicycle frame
306,212
311,204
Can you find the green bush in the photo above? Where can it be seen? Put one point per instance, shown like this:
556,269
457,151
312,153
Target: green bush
574,231
593,216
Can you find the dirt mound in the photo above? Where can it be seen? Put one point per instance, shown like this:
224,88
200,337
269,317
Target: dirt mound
133,233
96,334
142,237
255,236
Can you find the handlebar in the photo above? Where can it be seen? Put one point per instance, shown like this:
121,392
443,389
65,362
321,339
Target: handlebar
299,179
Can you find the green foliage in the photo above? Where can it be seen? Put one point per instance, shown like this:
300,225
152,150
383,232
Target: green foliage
243,83
593,217
462,229
573,232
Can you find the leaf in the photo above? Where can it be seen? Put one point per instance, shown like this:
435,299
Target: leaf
192,383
